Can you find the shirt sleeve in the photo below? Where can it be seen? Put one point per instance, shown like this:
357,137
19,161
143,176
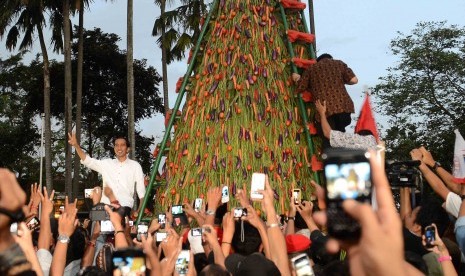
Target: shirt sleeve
93,164
347,74
140,186
302,85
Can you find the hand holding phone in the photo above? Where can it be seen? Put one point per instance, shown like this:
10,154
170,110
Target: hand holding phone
182,263
430,236
198,204
225,194
130,261
297,195
302,266
142,230
258,183
162,220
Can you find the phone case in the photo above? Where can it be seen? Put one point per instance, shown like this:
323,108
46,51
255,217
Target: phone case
225,194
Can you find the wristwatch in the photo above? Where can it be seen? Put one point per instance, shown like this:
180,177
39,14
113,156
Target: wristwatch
290,218
210,212
63,238
436,165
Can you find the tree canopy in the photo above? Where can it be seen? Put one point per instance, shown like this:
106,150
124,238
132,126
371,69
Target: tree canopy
424,94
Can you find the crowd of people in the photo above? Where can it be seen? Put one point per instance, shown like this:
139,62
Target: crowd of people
214,238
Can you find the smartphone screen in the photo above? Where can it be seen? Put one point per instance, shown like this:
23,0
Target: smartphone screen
197,204
106,226
258,183
297,196
176,209
33,223
196,232
225,194
430,236
348,176
162,220
160,236
88,193
302,265
142,230
130,261
182,263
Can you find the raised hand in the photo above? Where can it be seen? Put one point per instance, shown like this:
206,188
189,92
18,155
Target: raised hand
47,202
72,139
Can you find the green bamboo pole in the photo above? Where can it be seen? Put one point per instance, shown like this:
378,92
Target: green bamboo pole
175,109
299,97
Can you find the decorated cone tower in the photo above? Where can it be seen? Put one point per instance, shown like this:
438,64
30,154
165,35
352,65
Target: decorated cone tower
241,114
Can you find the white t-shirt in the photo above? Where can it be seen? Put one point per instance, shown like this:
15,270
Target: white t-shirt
45,260
339,139
120,177
452,204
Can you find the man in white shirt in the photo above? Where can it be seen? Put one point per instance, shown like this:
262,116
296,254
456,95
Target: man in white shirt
120,174
362,140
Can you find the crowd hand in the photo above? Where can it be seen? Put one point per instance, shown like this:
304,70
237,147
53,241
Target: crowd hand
295,77
189,210
252,217
154,225
319,192
169,218
213,197
96,195
115,218
268,198
12,196
292,207
24,237
171,243
305,209
320,106
191,268
427,158
229,225
47,202
416,154
209,234
168,263
146,244
69,207
67,222
35,196
439,246
242,197
380,248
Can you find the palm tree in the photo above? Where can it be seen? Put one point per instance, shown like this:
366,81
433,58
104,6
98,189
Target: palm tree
28,17
68,95
130,80
162,4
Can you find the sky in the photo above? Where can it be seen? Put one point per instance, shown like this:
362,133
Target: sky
357,32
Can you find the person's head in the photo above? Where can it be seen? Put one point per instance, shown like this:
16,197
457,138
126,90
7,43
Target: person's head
324,56
77,245
247,242
254,264
214,270
121,146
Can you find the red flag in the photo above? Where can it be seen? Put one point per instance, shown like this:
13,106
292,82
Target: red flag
458,170
366,120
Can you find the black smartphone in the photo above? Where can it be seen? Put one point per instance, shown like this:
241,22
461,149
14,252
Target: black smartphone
142,229
430,236
348,176
129,261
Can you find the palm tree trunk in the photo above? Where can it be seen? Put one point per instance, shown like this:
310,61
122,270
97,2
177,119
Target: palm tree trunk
163,59
47,127
130,80
68,97
80,60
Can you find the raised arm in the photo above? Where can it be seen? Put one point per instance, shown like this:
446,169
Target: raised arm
73,142
321,108
446,177
45,234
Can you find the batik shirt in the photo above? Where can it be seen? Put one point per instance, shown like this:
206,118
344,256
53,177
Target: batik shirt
339,139
326,81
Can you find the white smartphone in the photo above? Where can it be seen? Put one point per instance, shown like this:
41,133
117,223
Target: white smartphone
197,204
106,226
225,194
88,193
182,263
302,266
142,230
258,183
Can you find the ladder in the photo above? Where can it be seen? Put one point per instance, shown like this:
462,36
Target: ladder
163,146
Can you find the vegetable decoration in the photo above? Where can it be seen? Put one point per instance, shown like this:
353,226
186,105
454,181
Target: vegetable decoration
241,113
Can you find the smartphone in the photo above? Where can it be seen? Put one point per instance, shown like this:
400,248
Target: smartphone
162,220
198,204
258,183
195,232
129,261
302,266
131,223
430,236
239,212
142,229
33,223
160,236
106,226
88,193
296,193
348,176
14,228
182,263
176,209
225,194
